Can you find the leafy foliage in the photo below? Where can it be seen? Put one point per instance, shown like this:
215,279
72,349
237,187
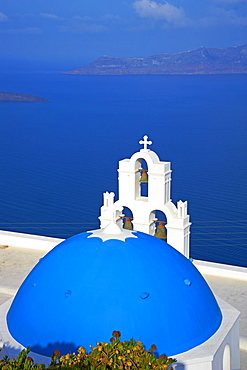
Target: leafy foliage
21,362
127,355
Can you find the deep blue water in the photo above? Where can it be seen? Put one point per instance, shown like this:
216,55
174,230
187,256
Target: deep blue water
58,158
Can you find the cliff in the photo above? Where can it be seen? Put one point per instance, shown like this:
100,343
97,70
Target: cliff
7,96
199,61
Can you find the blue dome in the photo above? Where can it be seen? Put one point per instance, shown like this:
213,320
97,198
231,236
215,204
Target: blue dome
86,287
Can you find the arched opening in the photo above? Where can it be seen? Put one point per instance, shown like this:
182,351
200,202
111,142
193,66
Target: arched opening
227,358
158,223
143,178
127,218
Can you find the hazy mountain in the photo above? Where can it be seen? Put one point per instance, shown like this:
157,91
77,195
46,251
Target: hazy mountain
7,96
199,61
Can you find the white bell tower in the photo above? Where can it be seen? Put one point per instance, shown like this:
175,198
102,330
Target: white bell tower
144,207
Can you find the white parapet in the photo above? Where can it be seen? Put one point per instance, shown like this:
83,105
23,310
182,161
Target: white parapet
43,243
221,270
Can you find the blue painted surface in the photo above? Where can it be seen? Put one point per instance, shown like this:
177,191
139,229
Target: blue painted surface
85,288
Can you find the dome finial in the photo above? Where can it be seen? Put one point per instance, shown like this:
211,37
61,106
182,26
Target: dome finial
112,231
145,143
112,227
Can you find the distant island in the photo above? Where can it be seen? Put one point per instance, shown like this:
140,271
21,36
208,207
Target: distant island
199,61
7,96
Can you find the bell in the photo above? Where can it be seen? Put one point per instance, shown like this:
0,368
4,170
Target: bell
144,176
128,224
160,231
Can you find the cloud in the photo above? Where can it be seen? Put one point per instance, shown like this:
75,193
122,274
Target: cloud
230,17
49,16
111,18
162,11
28,30
231,1
84,28
220,16
84,18
3,17
105,19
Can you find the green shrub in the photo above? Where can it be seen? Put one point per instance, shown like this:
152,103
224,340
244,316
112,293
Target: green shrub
21,362
127,355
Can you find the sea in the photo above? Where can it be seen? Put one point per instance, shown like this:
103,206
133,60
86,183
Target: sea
58,158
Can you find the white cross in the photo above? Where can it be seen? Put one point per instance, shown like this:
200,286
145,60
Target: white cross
145,142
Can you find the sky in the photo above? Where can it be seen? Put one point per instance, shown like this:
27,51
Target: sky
75,32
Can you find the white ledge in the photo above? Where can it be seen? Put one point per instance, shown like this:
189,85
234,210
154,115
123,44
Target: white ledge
30,241
221,270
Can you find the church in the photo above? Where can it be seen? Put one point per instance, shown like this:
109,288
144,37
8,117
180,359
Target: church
134,274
